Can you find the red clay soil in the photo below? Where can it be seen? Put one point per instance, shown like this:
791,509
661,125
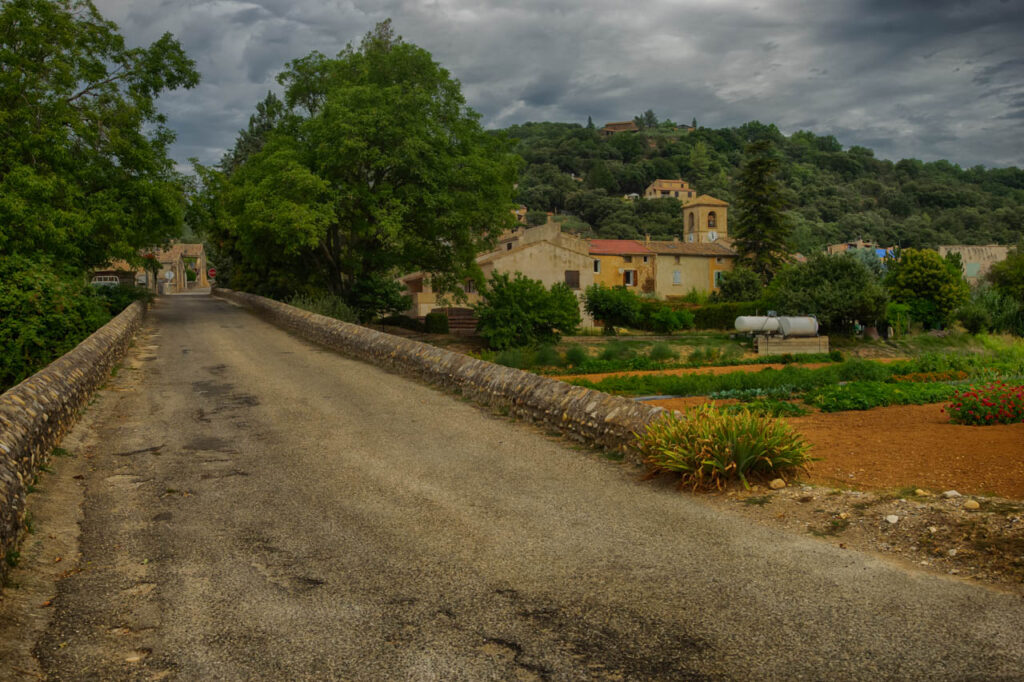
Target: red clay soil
908,445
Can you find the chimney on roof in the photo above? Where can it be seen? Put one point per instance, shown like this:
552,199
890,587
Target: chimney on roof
647,240
675,240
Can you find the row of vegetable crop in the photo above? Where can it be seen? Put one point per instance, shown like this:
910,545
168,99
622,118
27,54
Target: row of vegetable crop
850,385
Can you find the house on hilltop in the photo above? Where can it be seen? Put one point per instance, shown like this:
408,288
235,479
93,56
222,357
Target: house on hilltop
670,189
619,127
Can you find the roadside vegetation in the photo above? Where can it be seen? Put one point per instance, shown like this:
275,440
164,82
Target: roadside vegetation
709,448
84,172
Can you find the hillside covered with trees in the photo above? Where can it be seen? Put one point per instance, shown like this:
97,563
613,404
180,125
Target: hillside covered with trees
831,194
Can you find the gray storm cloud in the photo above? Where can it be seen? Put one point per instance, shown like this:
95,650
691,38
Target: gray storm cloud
929,79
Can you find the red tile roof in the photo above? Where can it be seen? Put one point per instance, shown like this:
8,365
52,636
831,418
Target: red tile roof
617,247
621,126
692,249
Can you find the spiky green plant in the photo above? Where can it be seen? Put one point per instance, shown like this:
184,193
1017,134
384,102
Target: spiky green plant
709,447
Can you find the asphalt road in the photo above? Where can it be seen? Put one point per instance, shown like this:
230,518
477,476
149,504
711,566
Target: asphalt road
257,508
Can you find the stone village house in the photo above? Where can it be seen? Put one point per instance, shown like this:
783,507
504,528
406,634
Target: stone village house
658,268
171,279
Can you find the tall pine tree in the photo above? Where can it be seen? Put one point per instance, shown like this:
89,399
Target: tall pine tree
761,229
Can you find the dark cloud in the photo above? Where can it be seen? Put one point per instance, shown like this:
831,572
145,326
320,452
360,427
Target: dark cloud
924,78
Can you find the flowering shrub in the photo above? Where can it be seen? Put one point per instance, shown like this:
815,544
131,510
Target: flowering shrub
995,403
927,377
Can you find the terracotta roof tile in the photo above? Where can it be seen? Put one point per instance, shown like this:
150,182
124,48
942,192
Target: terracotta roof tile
691,249
617,247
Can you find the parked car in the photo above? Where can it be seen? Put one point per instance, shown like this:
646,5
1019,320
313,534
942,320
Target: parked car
105,281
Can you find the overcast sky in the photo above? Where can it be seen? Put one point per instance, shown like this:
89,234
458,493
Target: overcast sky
928,79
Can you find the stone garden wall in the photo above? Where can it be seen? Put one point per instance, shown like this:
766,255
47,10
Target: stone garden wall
597,419
36,413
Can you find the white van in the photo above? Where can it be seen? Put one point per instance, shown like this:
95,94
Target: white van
105,281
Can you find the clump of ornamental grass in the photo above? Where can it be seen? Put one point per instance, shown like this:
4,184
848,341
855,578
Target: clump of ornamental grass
994,403
661,352
709,447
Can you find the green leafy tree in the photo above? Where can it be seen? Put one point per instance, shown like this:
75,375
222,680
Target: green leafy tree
837,289
46,309
84,172
699,163
646,120
518,311
740,284
926,283
761,229
1007,276
377,168
614,306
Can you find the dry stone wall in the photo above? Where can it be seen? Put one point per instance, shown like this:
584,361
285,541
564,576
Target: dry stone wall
36,413
591,417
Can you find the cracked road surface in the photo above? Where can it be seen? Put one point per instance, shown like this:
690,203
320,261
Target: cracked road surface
254,507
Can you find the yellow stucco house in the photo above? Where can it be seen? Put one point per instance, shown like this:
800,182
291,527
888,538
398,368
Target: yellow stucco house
670,189
681,266
544,253
623,262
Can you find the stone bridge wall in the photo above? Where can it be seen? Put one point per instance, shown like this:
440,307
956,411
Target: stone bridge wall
591,417
36,413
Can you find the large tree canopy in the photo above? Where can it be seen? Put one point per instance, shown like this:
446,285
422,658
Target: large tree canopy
84,174
838,289
377,168
928,284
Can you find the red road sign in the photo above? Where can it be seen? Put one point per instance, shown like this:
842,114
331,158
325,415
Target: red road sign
211,273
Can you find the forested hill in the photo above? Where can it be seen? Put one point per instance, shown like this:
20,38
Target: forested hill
834,194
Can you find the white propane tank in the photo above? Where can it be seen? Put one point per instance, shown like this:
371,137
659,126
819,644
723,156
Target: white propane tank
755,323
798,326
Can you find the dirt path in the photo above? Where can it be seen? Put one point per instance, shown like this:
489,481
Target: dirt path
254,507
906,446
916,446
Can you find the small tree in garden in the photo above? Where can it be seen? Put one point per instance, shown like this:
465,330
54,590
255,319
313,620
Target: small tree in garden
1007,276
519,311
740,284
926,283
837,289
614,306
